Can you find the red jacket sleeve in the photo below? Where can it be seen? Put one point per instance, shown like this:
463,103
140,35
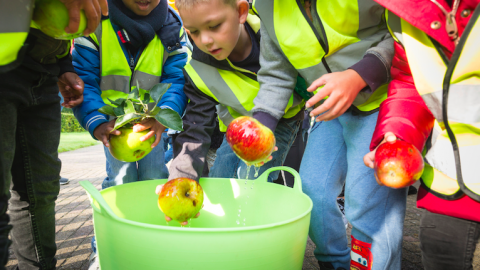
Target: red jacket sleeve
404,113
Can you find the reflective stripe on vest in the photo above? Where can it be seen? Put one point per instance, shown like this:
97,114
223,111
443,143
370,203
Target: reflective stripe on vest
315,53
116,78
453,151
234,90
15,17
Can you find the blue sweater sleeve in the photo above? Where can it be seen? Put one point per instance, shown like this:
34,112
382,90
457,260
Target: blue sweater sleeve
175,98
86,61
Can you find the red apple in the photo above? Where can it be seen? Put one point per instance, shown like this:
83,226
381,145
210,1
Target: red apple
250,140
181,199
398,164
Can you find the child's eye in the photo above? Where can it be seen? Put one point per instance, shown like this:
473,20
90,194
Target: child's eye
215,27
193,32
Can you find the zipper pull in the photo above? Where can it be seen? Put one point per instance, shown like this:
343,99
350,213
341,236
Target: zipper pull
132,63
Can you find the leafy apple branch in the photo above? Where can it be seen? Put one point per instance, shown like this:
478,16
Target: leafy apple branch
134,109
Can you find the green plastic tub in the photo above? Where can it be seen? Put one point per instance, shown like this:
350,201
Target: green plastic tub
245,224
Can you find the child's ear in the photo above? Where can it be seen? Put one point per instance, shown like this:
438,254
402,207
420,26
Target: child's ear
242,7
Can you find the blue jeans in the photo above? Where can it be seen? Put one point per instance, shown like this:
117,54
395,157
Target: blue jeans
334,156
228,165
152,166
167,147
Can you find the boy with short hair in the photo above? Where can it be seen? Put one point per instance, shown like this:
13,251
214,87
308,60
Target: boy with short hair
222,75
140,42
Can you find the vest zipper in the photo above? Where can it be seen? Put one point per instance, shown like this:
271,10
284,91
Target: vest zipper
323,41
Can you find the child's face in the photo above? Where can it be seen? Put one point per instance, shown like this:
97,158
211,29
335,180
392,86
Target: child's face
141,7
214,26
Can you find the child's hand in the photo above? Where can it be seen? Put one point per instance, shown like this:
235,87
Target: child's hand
341,88
155,129
369,159
103,132
93,11
71,88
158,189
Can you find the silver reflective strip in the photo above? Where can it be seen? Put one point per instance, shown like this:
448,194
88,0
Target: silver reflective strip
219,88
441,157
463,104
15,16
165,56
370,16
115,82
85,42
224,114
310,74
146,81
265,12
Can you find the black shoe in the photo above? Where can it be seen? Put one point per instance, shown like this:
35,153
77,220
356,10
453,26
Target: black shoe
64,181
325,265
412,190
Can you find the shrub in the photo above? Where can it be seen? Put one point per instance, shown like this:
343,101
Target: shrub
69,122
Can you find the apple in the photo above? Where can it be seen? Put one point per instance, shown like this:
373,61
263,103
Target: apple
398,164
181,199
127,146
251,141
51,17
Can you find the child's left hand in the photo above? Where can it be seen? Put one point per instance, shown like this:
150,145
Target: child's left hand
158,189
341,88
155,129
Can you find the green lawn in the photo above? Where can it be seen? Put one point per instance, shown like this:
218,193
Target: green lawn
74,140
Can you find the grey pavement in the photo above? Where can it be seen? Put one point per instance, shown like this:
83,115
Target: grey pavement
74,225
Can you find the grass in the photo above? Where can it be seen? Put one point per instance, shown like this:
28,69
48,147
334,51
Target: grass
74,140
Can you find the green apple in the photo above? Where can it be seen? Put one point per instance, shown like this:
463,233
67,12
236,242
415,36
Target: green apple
51,17
181,199
127,146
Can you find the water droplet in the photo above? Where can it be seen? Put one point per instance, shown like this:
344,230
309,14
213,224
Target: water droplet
245,188
248,196
239,215
248,171
257,169
239,210
238,222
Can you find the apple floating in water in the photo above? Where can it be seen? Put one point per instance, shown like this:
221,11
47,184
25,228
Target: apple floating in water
51,17
127,146
251,141
181,199
398,164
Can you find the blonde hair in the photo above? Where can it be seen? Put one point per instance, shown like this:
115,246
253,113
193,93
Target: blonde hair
190,3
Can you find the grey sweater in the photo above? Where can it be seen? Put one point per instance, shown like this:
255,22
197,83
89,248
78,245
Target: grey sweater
277,76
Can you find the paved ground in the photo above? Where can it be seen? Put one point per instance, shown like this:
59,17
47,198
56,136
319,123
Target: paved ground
74,226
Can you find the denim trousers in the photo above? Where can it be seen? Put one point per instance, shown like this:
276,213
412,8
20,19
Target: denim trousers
447,242
152,166
30,168
228,165
334,156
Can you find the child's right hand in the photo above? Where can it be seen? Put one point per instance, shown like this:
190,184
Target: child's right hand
103,132
158,189
369,159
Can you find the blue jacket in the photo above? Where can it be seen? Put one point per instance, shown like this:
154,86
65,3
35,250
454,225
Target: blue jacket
86,60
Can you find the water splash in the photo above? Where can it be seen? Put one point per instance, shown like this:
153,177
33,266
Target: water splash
257,169
248,171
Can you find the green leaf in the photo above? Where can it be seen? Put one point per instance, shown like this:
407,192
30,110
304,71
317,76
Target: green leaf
128,107
125,119
117,102
154,111
118,111
107,109
134,94
170,119
138,108
158,90
146,98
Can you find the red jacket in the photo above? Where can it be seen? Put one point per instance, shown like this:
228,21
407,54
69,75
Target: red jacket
404,113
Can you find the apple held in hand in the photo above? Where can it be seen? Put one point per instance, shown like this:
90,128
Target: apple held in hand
250,140
51,17
398,164
127,146
181,199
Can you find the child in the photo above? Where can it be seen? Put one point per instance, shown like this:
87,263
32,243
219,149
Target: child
222,76
345,47
140,41
433,60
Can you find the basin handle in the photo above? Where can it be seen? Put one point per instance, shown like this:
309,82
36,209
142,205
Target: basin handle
297,185
94,194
